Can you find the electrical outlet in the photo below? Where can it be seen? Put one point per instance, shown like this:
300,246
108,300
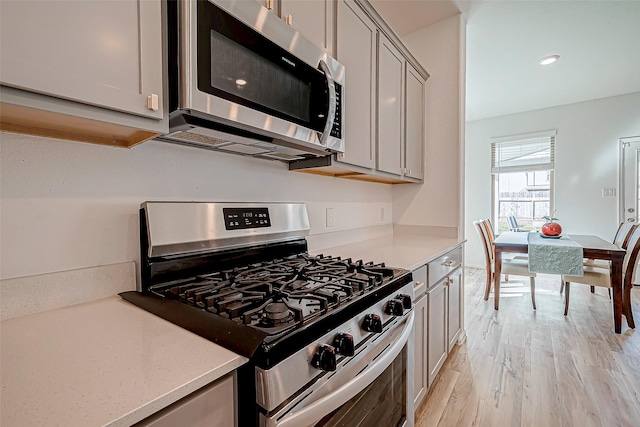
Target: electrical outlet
381,214
329,217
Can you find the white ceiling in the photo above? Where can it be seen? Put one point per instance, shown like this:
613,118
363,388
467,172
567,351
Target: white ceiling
598,43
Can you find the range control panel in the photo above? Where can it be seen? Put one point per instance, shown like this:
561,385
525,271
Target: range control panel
241,218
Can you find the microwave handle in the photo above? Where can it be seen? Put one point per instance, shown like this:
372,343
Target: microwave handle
331,114
314,412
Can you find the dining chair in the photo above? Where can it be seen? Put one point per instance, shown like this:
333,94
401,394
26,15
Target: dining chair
515,266
513,224
595,276
491,235
620,239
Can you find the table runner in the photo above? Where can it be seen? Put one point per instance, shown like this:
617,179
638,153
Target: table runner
555,256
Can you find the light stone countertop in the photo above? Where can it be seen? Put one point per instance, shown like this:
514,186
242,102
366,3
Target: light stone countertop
109,362
401,249
106,362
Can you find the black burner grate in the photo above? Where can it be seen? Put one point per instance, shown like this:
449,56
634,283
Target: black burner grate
281,294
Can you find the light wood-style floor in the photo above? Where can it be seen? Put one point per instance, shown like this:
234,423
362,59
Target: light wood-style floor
525,367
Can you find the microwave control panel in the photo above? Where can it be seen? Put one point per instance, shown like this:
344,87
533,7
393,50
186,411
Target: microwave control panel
336,130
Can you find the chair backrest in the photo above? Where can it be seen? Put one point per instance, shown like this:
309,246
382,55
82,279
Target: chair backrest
488,229
480,229
621,239
631,257
513,223
488,225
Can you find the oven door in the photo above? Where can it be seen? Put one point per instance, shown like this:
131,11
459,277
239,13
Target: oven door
376,392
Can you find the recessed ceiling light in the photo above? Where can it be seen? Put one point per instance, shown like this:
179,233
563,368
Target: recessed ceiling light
241,82
549,59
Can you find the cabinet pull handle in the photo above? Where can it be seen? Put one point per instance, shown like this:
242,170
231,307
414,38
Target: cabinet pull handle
448,263
269,4
152,102
289,19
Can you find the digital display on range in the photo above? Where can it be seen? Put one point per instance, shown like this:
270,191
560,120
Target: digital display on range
240,218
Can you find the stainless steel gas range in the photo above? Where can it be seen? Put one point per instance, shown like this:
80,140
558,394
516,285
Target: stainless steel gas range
327,338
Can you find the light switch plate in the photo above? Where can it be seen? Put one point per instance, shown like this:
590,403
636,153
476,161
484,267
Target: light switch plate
608,192
329,219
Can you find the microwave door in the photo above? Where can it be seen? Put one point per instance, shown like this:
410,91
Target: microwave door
331,113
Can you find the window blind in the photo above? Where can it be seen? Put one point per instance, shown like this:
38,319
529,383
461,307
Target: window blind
523,153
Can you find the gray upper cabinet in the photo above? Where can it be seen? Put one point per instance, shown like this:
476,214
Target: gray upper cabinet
384,94
104,54
414,124
390,106
356,50
312,18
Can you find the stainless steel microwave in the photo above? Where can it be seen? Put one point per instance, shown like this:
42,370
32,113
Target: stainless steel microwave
241,80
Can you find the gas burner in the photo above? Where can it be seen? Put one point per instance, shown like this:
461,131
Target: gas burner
276,311
276,314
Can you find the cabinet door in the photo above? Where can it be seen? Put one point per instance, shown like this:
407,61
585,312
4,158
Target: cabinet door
102,53
454,307
356,50
420,352
414,137
212,405
390,107
313,19
437,329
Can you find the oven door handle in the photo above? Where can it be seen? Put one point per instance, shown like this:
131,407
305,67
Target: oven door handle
331,114
314,412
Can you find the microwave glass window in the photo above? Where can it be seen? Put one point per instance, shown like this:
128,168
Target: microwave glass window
247,75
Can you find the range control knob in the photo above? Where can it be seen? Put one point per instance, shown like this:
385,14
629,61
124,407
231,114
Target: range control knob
394,307
372,323
325,358
343,344
406,300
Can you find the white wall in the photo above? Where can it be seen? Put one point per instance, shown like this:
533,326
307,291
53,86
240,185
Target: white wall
67,205
586,160
440,49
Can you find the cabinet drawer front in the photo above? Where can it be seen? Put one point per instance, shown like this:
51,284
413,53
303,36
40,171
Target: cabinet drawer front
444,265
420,281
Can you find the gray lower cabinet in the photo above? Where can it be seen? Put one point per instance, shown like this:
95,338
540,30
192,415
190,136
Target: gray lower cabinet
419,335
420,354
99,61
444,309
437,343
212,405
454,308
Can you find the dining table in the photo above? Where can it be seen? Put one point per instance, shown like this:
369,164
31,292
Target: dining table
593,247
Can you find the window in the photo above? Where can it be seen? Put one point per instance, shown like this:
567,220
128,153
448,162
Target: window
522,171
